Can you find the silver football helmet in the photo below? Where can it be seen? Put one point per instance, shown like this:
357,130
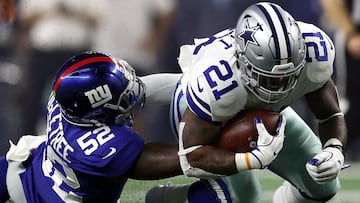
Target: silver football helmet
270,51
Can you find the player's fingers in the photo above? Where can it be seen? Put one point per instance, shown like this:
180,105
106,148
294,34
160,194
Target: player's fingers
279,141
320,158
281,125
328,167
321,176
264,136
311,169
260,127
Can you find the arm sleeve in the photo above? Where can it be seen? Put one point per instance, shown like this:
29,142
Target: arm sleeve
160,87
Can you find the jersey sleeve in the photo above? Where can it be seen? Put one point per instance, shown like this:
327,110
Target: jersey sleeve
125,155
115,150
160,87
198,97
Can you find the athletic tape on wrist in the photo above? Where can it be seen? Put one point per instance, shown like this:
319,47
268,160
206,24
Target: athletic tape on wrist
338,114
334,142
242,161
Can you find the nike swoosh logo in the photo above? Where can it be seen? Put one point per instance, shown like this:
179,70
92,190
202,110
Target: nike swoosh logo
112,151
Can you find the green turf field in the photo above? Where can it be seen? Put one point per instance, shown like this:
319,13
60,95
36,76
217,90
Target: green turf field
350,192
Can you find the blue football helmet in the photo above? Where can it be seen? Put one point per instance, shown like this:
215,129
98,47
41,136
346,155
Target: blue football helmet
93,88
270,51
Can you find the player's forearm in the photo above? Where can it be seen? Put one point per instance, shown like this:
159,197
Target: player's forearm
333,128
214,160
325,106
157,161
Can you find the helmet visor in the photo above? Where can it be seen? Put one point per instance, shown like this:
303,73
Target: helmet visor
276,83
272,86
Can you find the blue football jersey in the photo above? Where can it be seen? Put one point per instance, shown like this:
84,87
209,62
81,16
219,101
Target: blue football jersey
80,164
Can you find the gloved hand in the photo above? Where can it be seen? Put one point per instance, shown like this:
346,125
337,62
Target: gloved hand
267,149
325,167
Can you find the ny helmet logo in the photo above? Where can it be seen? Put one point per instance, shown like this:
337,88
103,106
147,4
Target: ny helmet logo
98,96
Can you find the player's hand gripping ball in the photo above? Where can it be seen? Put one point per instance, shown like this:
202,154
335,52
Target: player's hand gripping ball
240,134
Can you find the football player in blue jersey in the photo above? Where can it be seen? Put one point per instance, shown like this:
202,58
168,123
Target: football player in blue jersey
267,62
90,149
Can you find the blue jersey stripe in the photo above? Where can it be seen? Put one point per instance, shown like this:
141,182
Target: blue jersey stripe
194,106
179,113
284,31
273,30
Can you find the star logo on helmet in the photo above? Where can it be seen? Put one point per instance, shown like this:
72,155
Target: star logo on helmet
247,36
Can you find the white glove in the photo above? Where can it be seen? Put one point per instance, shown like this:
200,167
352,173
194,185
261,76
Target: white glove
267,148
325,167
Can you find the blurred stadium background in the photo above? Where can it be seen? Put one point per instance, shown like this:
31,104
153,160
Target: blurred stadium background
22,50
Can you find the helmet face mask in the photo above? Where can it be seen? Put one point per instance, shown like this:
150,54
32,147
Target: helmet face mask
131,101
270,51
95,89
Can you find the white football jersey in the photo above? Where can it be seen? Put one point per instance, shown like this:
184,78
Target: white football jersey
212,85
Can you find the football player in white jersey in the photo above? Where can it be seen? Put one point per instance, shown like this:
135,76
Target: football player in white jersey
267,62
90,149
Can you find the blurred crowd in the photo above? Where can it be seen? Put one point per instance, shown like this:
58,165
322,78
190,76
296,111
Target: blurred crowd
147,33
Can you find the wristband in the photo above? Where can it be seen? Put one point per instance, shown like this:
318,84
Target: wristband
338,114
334,142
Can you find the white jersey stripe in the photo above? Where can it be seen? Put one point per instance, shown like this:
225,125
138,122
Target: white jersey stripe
279,32
176,110
219,192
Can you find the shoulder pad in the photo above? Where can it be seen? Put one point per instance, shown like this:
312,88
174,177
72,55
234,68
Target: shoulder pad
320,53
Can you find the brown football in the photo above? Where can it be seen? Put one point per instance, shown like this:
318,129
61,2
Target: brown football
240,134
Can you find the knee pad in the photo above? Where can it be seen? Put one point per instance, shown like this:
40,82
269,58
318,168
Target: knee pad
322,199
287,193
